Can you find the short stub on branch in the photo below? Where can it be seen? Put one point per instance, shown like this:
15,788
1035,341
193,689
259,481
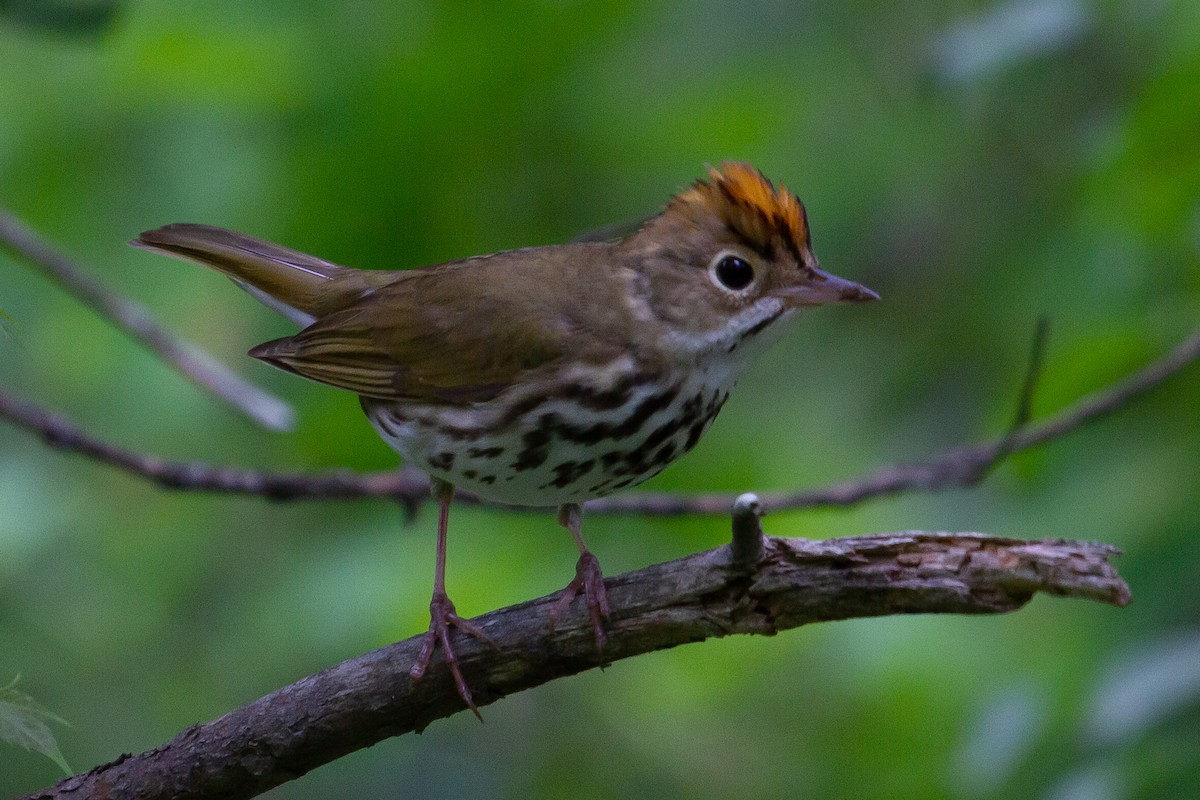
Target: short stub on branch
747,544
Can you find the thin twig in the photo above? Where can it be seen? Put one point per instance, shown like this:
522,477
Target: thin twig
60,433
795,582
135,320
958,467
955,468
1033,374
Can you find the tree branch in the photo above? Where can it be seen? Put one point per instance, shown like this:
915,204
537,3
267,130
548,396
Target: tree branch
962,466
954,468
794,582
136,321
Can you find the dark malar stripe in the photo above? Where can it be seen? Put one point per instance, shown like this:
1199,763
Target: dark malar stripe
761,325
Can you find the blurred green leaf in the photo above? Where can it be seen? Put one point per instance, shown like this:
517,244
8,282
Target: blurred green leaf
89,17
23,722
7,323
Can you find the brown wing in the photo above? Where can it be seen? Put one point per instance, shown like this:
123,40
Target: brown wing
458,333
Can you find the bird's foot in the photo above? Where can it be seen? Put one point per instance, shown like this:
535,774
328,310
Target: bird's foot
442,617
589,580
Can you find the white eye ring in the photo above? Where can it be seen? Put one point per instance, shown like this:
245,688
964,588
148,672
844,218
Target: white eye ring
731,272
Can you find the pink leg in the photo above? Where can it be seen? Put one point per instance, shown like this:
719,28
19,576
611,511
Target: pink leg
442,615
588,579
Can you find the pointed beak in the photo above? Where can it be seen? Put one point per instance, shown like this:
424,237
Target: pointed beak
823,288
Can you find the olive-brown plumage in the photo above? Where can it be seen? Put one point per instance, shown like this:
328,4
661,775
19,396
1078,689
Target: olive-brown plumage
546,375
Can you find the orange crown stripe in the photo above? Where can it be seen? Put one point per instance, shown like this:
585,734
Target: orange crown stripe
745,200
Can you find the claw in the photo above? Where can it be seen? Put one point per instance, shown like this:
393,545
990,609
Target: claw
442,617
590,580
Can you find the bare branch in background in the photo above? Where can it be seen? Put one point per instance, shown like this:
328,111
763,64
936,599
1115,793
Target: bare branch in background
794,582
135,320
962,466
958,467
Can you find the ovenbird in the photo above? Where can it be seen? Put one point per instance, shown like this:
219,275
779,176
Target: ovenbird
544,376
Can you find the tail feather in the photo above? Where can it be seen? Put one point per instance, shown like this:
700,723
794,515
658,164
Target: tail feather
305,285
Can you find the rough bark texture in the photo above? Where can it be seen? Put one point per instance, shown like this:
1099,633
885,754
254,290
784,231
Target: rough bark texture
793,582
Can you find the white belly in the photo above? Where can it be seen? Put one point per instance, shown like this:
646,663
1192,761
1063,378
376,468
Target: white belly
565,445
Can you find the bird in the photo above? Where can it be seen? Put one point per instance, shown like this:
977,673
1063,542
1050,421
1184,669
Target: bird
543,376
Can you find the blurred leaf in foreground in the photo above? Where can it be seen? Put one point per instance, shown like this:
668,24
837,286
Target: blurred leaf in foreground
23,722
69,18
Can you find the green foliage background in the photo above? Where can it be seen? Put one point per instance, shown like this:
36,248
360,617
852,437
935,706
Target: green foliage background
978,164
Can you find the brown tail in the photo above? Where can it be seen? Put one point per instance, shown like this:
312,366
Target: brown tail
292,279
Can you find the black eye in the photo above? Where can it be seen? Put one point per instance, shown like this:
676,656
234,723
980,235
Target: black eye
734,273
